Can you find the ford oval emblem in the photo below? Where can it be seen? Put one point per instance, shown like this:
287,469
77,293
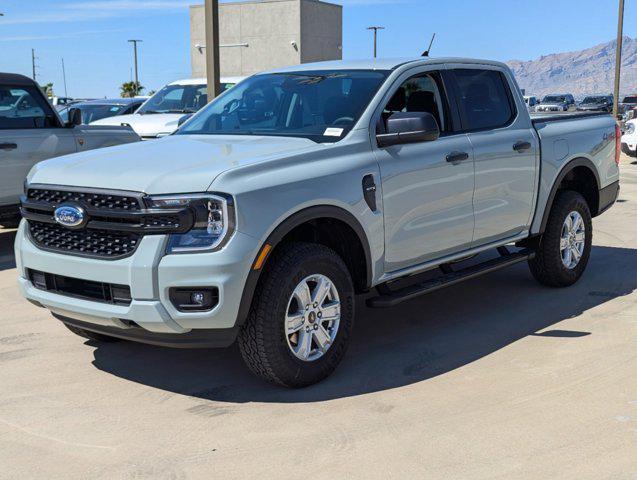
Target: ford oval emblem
69,216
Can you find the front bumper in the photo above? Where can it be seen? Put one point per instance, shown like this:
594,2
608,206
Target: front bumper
150,274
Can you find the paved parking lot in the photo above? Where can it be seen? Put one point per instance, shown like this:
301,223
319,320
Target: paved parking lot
494,378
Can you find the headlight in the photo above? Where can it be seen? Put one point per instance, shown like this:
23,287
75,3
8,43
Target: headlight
214,221
630,128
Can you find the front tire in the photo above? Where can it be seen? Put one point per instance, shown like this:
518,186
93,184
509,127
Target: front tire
301,318
565,246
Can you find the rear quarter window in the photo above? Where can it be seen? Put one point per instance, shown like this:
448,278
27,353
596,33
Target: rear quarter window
485,99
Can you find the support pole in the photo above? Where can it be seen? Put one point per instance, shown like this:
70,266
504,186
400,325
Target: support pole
618,57
212,48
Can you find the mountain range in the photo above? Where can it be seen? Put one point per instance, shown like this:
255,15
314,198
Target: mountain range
589,71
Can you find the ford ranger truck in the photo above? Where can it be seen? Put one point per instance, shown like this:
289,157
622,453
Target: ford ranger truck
269,210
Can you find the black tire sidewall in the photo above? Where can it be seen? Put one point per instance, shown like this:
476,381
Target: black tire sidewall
288,269
552,270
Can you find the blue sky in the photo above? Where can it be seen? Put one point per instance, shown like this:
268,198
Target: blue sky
91,35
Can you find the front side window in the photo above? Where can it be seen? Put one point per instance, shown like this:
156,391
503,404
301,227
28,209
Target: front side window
322,106
20,107
484,98
418,94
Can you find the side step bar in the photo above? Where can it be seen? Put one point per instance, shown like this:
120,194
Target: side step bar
389,298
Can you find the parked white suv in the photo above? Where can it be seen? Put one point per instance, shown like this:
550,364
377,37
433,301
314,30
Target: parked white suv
160,114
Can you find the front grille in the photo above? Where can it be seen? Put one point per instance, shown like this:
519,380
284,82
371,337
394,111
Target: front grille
93,199
79,288
114,223
90,242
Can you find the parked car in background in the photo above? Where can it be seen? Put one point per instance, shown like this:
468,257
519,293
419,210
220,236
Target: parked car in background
265,214
531,102
61,101
596,103
32,131
556,103
94,110
629,138
628,106
161,113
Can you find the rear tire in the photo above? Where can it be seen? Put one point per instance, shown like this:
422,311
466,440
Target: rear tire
553,265
320,329
97,337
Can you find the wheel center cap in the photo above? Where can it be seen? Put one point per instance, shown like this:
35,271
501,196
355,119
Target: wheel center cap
311,317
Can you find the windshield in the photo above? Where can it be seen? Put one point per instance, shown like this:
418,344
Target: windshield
554,99
629,100
92,113
179,99
321,105
594,100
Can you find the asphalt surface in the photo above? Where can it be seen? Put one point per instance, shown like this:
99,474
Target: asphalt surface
495,378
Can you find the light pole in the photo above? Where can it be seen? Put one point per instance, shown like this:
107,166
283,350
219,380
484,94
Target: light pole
375,29
618,57
64,77
212,51
33,62
135,42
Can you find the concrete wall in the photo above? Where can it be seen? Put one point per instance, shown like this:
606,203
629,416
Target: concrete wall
269,27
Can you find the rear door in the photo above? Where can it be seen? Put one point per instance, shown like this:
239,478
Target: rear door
505,150
427,187
29,132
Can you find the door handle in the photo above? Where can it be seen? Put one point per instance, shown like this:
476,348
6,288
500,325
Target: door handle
521,146
455,157
8,146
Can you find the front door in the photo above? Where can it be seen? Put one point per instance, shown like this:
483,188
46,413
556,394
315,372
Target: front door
29,133
427,187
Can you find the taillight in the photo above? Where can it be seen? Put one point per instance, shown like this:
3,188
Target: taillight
618,143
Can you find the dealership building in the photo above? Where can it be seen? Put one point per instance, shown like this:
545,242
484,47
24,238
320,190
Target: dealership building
267,34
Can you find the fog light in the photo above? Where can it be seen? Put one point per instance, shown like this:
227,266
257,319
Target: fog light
194,299
197,298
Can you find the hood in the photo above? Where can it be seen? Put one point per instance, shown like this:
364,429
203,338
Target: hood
148,125
174,164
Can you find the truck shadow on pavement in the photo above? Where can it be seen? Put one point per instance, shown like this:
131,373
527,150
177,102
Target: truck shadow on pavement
7,258
416,341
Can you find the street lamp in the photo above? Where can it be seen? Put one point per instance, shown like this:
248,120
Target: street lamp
375,29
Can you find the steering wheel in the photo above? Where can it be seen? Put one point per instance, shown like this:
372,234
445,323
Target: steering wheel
343,120
231,106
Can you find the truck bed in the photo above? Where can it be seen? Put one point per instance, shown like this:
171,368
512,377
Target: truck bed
538,117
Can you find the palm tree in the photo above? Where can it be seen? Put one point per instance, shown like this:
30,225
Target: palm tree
130,89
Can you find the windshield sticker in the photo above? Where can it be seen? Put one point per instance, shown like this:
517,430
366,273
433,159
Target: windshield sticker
333,132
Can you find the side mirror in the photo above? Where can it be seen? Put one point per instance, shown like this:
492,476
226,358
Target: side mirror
184,119
409,127
75,117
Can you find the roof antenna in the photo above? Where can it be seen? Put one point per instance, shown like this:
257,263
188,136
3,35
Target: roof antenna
426,52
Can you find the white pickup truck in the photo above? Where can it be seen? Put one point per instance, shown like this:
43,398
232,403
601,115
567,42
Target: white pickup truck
264,215
32,131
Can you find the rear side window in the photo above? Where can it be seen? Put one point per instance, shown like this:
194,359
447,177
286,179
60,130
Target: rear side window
485,99
21,107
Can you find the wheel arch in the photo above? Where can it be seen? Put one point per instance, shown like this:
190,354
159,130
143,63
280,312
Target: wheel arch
583,173
294,223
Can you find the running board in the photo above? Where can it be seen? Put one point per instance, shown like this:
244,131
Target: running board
450,277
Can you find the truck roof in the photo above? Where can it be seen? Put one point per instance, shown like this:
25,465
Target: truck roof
15,79
203,81
381,64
